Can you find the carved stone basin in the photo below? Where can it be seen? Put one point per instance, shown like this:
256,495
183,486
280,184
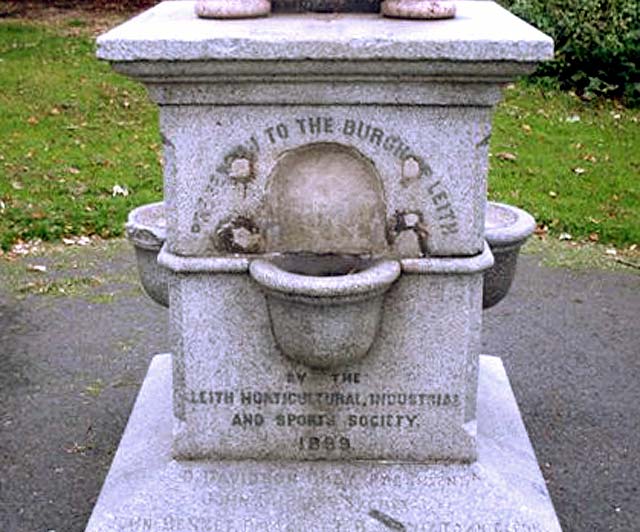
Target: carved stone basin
506,230
310,295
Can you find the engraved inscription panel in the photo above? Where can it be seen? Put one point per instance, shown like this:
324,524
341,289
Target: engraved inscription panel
320,422
236,491
216,183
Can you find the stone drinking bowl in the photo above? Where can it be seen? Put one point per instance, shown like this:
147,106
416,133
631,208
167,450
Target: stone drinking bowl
146,230
506,229
308,295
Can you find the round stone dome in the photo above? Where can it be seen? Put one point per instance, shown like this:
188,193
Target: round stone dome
325,198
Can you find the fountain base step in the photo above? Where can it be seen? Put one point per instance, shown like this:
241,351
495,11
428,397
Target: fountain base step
146,490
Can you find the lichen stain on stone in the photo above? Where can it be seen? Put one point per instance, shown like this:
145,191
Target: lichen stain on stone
386,520
407,222
238,165
413,169
169,156
484,142
239,235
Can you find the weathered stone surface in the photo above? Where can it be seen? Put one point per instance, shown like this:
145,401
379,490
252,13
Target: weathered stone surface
325,321
148,491
325,198
246,118
419,9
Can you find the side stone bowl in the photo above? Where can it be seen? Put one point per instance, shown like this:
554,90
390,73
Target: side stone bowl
147,230
506,229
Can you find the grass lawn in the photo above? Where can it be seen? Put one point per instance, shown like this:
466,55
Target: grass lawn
574,166
80,148
71,132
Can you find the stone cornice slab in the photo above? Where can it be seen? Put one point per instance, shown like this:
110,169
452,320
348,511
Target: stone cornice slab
482,32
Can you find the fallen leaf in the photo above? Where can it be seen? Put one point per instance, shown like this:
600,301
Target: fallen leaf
76,241
594,237
17,185
73,170
22,248
38,268
55,111
541,231
95,388
507,156
526,128
76,448
117,190
590,158
33,120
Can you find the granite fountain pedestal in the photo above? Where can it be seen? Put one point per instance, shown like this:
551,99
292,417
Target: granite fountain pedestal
323,260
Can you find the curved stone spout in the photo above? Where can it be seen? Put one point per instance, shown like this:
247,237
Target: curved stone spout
325,311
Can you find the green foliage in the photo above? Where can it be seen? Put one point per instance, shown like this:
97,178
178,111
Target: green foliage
597,44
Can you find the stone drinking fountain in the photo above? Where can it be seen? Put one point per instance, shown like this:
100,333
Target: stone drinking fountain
325,249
